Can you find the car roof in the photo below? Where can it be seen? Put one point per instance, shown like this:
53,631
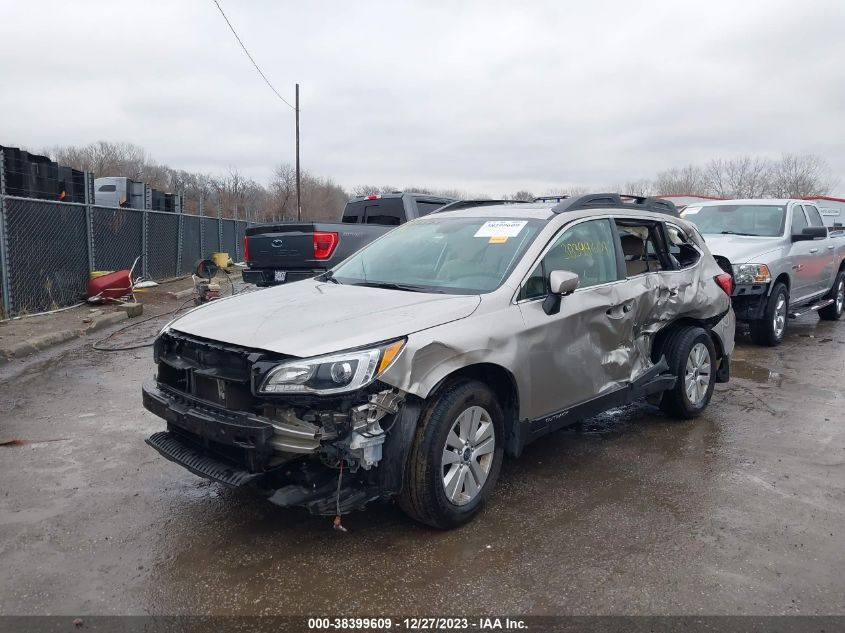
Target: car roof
747,201
544,211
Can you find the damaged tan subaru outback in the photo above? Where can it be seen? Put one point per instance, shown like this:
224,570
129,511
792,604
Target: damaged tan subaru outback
412,368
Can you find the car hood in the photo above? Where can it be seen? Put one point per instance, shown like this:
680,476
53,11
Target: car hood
309,318
742,249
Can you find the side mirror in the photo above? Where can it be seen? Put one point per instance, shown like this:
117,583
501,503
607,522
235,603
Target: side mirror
810,233
561,283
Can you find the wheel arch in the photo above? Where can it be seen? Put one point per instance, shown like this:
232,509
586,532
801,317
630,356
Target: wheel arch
660,338
781,278
503,384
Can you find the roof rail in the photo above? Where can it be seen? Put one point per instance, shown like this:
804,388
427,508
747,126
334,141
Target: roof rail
616,201
469,204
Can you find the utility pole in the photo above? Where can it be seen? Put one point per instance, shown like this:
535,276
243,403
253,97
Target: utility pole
298,202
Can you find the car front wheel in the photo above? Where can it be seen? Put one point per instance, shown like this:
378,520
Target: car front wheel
771,328
456,456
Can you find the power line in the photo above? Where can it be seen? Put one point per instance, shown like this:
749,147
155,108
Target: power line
263,76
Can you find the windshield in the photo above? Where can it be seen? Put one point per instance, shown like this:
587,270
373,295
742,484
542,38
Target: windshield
441,254
738,219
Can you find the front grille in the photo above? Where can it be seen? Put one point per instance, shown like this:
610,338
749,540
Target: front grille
218,373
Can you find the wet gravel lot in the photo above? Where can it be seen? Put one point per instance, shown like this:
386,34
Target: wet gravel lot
739,512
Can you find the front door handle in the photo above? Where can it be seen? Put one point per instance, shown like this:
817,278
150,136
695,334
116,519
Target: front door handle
814,250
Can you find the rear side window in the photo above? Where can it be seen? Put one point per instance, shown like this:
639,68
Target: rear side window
814,215
424,207
680,247
353,212
799,220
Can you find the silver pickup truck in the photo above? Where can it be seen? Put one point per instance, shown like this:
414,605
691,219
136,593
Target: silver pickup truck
783,259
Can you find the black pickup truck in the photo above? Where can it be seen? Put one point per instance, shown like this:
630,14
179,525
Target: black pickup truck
289,251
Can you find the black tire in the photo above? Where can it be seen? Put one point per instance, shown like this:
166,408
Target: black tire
677,349
423,495
834,311
765,331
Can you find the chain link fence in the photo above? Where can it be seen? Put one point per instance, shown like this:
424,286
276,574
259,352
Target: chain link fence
48,249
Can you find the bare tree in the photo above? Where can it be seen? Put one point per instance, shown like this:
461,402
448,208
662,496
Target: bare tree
522,194
740,177
798,176
680,181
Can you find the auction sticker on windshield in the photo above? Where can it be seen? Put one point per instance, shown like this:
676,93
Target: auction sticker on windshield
500,228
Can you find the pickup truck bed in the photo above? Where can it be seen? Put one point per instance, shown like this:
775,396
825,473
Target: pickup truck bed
290,251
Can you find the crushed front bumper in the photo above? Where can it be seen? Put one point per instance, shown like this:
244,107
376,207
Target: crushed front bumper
288,459
182,452
236,437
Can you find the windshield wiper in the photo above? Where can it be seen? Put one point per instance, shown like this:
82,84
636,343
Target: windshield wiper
329,276
738,233
396,286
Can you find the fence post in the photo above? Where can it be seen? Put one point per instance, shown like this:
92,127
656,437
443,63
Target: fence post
144,242
89,219
180,238
237,241
202,230
6,295
219,226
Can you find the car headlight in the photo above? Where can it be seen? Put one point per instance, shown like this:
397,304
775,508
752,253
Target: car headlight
751,274
334,373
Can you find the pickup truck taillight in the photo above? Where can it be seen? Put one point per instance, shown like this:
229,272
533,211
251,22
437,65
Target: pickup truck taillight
324,244
246,248
725,282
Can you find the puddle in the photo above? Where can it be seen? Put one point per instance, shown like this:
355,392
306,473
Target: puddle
754,372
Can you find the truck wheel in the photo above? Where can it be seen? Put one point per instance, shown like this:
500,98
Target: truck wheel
455,458
770,329
692,358
835,309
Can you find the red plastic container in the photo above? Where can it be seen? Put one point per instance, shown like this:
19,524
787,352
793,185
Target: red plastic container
112,286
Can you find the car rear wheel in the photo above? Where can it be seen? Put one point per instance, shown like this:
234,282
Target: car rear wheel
834,311
771,328
691,356
456,456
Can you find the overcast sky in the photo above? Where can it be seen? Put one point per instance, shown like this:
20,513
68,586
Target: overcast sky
485,96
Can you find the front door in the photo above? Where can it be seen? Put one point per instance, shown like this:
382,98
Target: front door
583,351
802,259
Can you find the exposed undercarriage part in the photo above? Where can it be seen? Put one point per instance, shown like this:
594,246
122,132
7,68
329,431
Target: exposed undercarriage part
350,443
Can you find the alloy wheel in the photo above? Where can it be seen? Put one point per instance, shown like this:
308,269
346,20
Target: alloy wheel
697,373
779,320
468,455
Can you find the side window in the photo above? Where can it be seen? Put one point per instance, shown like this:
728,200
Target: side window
586,249
107,188
799,220
680,247
642,250
814,215
424,207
